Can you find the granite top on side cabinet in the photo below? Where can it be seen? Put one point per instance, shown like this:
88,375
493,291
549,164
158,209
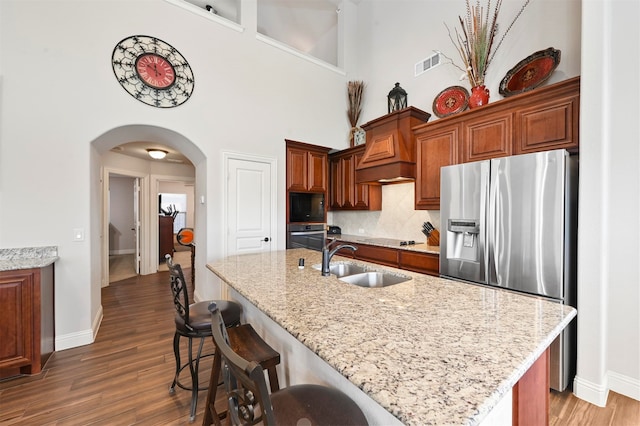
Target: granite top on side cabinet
28,257
428,350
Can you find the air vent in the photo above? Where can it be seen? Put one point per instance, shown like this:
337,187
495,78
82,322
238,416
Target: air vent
427,64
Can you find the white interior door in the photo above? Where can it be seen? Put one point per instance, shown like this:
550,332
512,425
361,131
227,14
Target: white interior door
250,205
136,222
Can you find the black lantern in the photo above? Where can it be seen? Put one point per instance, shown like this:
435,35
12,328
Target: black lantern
397,98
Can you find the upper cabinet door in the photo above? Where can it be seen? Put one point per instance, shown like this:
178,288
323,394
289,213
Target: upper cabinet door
434,150
487,136
552,124
307,167
346,194
297,176
317,171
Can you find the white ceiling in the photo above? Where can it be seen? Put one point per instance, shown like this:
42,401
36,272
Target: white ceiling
139,150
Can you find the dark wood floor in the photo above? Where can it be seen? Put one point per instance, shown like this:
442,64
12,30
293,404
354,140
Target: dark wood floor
124,376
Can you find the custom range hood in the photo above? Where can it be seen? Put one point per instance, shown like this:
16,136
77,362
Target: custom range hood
390,153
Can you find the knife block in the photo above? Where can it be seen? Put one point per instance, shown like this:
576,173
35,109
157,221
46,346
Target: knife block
434,238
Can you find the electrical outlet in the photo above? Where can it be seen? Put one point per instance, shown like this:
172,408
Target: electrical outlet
361,230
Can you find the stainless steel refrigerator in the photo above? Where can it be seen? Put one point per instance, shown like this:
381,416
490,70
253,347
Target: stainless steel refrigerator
511,222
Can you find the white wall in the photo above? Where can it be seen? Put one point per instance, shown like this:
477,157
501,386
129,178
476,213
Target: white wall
248,98
609,251
394,35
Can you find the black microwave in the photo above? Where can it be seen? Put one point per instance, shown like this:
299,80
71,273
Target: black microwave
306,207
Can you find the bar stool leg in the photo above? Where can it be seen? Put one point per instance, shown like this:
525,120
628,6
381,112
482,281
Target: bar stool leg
176,354
194,377
210,414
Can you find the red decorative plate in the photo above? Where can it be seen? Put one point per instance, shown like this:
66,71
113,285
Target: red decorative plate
530,72
451,100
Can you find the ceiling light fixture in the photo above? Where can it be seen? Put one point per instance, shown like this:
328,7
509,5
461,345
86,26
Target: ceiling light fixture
157,154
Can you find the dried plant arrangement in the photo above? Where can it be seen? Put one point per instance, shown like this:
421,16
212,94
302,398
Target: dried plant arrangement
355,91
476,40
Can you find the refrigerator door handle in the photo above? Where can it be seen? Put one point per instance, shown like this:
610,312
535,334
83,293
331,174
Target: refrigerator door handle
484,242
493,222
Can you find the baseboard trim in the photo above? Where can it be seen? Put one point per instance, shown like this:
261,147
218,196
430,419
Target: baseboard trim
624,385
591,392
122,251
80,338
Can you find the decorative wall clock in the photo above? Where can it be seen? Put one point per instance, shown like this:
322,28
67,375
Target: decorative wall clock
152,71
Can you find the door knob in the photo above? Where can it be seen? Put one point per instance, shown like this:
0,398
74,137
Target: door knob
266,239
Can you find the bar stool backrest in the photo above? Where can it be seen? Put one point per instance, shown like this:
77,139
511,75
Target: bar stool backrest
179,291
244,381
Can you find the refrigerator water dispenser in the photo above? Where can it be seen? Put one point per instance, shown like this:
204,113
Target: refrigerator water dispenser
462,239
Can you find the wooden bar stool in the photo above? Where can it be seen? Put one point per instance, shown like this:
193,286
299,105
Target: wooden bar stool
193,321
250,402
245,341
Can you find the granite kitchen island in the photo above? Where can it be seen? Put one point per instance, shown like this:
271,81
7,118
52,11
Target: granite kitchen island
425,351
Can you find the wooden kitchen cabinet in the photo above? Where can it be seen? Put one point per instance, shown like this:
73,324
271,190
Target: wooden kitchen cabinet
543,119
307,167
345,193
382,255
424,263
550,123
435,149
376,254
487,136
26,320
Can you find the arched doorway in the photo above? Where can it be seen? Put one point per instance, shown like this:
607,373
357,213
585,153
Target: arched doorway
149,177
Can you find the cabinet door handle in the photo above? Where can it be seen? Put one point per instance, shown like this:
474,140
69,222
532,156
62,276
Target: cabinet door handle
266,239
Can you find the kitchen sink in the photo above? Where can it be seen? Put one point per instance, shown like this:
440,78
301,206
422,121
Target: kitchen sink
362,276
374,279
343,269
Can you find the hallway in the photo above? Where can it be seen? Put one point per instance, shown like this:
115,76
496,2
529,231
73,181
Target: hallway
121,266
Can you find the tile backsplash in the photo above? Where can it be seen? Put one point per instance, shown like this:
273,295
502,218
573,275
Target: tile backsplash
397,219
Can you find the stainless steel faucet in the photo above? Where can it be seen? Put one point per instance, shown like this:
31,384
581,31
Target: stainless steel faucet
327,255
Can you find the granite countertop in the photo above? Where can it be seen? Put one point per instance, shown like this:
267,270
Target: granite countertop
429,350
27,257
385,242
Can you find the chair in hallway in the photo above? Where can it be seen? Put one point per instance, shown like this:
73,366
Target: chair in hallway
193,321
250,401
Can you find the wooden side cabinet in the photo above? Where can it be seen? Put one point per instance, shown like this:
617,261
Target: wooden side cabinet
345,193
307,167
165,236
26,320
